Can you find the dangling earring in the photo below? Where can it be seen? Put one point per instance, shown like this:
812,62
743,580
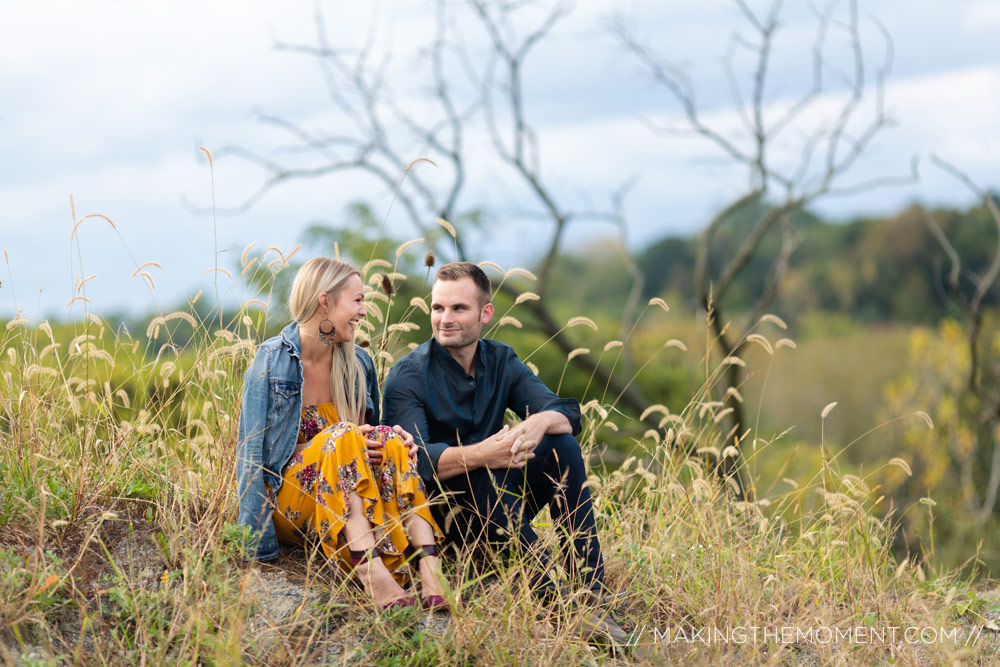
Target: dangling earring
327,335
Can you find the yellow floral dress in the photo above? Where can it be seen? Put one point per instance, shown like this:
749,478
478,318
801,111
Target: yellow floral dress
312,503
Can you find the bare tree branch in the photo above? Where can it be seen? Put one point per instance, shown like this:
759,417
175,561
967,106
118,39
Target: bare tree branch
981,384
790,241
803,180
377,134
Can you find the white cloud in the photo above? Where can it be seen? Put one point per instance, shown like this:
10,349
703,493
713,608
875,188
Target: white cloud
981,17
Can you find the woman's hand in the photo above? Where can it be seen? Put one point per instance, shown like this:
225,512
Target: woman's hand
373,446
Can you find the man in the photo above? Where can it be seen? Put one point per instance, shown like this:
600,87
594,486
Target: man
452,393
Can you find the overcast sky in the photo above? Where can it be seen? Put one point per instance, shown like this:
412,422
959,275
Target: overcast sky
108,101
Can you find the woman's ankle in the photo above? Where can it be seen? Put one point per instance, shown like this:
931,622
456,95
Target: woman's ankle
430,575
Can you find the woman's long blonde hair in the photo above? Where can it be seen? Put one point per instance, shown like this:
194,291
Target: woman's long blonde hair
324,275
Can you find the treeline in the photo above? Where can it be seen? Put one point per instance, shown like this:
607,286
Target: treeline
874,270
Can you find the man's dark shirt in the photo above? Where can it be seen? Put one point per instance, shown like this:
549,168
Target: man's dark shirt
430,395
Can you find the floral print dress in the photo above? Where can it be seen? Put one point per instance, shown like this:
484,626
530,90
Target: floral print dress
312,503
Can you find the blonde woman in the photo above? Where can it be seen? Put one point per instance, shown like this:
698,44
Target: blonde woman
311,463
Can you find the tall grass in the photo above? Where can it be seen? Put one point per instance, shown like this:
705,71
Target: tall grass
118,541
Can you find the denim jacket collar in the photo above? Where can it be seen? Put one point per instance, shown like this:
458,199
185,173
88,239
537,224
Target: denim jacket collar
291,340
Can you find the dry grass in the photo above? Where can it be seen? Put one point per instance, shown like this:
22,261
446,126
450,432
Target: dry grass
118,535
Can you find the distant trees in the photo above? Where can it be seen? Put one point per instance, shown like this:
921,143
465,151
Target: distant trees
872,269
954,375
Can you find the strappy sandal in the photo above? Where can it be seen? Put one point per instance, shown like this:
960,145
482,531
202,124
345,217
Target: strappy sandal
361,557
429,602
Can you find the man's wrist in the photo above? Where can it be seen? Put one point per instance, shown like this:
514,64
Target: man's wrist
472,456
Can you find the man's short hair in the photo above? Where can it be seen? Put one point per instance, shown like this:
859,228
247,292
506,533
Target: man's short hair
458,270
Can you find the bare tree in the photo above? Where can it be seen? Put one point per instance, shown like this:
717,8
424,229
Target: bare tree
971,291
830,144
464,87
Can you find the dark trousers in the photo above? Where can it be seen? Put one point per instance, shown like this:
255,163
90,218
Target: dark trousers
497,506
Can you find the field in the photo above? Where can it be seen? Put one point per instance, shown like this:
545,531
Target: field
119,544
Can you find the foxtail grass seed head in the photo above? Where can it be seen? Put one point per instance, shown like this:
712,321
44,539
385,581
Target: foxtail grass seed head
526,296
518,271
420,304
827,410
673,342
447,226
580,319
208,154
656,407
775,320
246,251
785,342
387,285
659,303
902,465
218,269
760,340
418,161
403,248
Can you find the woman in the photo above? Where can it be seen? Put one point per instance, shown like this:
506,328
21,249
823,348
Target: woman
308,447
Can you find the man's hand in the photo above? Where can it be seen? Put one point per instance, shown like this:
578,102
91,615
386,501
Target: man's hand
408,442
507,448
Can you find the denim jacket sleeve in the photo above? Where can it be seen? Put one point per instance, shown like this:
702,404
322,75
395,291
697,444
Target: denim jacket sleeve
255,511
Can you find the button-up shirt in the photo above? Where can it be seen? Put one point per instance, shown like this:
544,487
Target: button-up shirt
430,395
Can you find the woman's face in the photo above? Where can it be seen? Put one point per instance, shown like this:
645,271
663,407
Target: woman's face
347,308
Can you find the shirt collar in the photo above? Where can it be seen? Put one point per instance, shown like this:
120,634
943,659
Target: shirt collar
450,362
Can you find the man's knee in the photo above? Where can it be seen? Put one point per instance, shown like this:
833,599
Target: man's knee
562,449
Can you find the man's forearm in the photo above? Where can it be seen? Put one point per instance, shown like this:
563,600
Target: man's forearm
552,422
456,461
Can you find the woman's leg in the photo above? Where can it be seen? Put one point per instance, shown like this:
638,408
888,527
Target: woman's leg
421,534
370,569
330,494
404,498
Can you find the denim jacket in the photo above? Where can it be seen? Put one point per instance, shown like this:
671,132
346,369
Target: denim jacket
269,426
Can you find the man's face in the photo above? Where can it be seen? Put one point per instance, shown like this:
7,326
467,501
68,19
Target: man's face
456,318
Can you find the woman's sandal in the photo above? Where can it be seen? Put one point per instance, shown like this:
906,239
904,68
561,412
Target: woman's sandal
362,557
430,602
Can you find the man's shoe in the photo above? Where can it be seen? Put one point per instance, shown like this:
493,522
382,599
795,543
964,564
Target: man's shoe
599,625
